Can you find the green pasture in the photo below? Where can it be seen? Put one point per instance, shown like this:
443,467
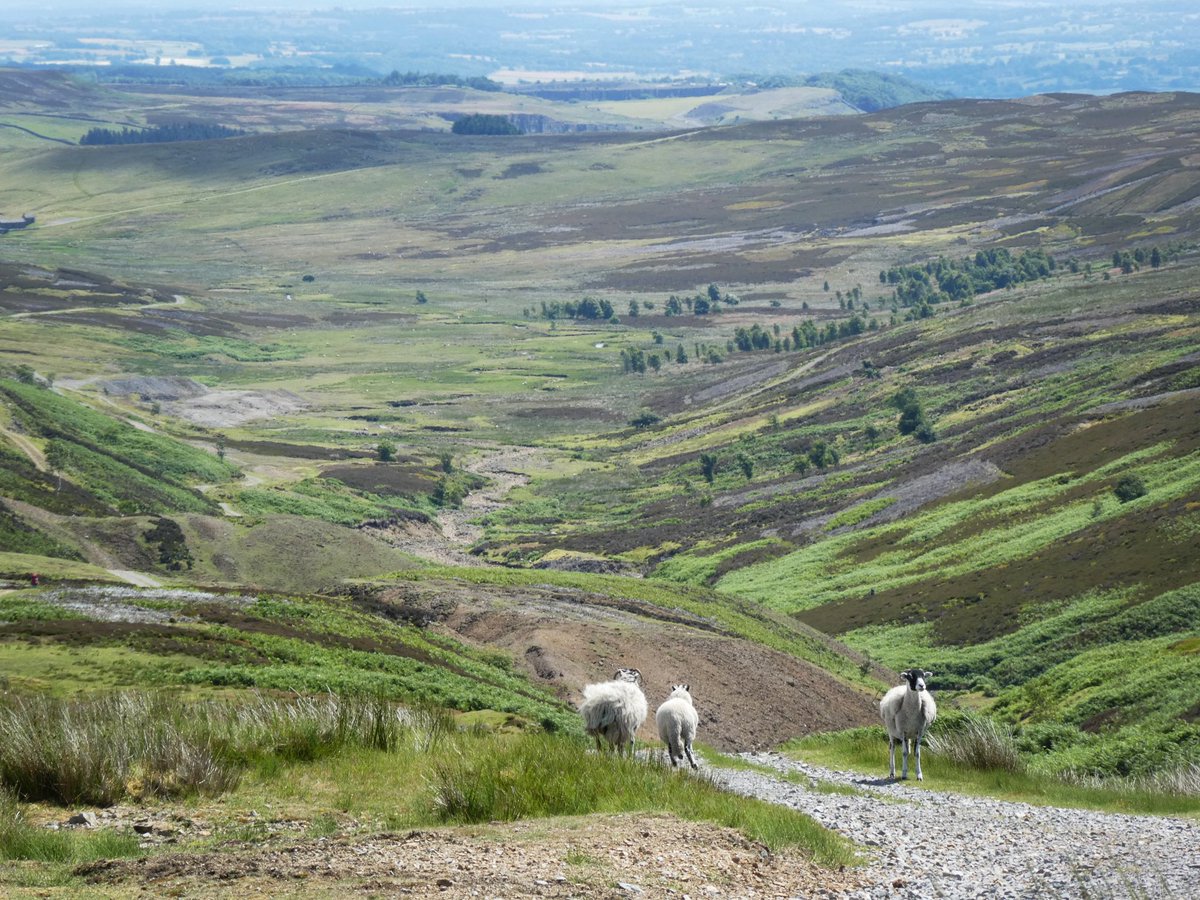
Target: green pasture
955,538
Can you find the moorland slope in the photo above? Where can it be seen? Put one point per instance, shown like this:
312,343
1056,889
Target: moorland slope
924,379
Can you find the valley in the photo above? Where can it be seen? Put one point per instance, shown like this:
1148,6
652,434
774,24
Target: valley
460,423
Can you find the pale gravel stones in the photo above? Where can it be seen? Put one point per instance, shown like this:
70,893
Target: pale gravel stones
928,844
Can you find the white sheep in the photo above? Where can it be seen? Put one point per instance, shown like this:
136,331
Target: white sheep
615,709
677,722
907,710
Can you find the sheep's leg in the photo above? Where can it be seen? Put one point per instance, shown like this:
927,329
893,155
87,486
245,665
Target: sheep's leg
891,757
904,750
687,748
917,751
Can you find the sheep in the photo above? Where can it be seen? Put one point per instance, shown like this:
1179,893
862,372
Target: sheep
907,711
677,721
615,709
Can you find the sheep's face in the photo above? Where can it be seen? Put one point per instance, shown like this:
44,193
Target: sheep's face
916,679
632,675
681,690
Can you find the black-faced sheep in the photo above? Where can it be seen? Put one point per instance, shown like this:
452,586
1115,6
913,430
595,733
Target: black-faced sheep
615,710
677,722
907,710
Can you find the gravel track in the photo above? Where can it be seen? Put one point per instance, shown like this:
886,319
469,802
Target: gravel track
930,844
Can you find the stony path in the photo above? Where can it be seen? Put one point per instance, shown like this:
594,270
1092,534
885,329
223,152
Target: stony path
504,467
934,845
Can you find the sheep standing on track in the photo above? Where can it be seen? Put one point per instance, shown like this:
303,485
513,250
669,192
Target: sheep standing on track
907,710
615,710
677,721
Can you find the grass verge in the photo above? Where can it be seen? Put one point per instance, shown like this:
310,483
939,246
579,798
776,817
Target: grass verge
319,754
865,750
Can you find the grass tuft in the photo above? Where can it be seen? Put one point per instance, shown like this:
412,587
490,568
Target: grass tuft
21,841
978,742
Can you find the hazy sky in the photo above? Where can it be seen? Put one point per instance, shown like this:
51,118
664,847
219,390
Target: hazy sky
43,8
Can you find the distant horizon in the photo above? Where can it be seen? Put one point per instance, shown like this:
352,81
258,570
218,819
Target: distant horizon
969,48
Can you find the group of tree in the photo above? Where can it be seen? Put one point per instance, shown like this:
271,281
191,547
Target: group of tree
700,304
803,336
587,308
434,79
1154,256
940,280
160,134
484,123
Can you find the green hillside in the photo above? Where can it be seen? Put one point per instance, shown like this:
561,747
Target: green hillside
922,380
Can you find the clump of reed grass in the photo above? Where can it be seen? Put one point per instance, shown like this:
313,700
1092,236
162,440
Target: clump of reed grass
978,742
1180,781
102,749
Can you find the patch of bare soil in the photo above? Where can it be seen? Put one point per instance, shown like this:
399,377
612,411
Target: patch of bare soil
190,400
747,695
598,856
218,409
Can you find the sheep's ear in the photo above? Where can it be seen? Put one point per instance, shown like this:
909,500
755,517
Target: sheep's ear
687,687
928,674
904,674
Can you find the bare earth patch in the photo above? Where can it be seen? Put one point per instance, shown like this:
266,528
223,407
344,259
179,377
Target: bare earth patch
747,695
596,856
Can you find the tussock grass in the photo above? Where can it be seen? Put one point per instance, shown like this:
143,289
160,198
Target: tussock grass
978,742
501,778
104,749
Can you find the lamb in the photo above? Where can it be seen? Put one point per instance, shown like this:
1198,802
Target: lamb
615,709
907,710
677,721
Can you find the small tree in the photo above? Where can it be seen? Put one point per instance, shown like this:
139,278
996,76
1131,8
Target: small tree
386,451
821,455
1130,487
708,466
421,298
447,462
746,464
